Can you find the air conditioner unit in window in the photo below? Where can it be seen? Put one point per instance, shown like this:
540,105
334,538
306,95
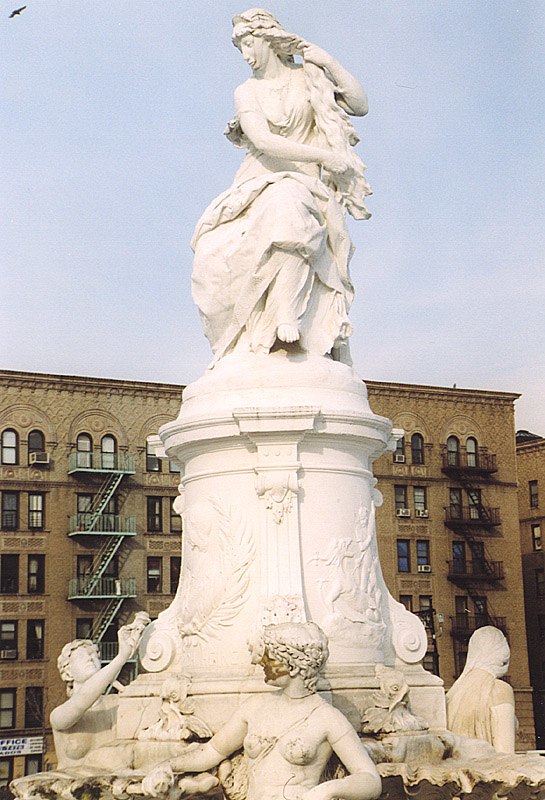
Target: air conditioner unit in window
8,654
421,512
423,568
403,512
39,458
399,458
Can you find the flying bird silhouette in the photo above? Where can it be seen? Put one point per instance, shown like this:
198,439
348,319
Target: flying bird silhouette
16,12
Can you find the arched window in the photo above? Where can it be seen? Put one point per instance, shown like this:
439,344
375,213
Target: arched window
399,452
10,447
108,449
84,447
36,443
453,451
417,448
472,451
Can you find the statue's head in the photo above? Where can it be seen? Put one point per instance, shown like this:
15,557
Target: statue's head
294,648
261,24
488,649
78,661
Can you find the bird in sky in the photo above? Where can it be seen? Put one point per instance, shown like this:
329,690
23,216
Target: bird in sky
16,12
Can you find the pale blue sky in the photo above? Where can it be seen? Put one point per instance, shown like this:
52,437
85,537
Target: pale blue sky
112,120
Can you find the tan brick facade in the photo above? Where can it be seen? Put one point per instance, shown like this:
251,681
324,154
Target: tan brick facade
63,408
485,582
531,472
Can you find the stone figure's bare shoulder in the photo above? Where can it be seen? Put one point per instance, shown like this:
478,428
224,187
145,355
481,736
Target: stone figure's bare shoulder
246,96
333,721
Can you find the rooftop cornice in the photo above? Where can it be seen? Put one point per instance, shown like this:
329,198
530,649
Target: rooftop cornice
453,393
72,383
529,447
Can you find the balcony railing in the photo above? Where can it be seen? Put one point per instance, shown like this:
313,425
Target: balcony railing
463,625
481,570
105,587
97,461
109,524
477,516
480,463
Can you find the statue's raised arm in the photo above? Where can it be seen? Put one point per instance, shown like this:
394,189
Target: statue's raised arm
272,252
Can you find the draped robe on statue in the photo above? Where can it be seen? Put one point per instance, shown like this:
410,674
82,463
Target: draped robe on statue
274,206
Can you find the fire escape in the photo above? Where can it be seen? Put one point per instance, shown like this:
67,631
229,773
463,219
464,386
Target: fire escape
106,534
471,518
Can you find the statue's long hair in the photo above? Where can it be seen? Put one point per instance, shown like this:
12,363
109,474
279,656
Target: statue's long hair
333,127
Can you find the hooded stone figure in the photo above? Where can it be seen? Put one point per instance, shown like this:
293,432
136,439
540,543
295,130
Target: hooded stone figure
479,704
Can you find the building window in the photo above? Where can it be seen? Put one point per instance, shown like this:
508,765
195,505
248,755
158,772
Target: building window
460,656
458,558
536,537
423,553
533,489
84,627
173,467
84,566
175,518
403,555
33,764
36,511
35,639
108,452
480,606
6,771
420,500
400,498
461,610
399,452
154,575
475,503
540,582
36,574
34,707
9,574
84,448
155,514
417,448
7,708
407,601
10,447
471,452
453,451
10,511
455,502
8,639
153,463
175,568
36,443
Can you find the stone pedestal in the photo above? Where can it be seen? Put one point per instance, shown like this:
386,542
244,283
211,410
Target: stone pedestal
278,499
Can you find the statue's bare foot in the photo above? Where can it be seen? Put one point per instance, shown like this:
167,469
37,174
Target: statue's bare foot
288,333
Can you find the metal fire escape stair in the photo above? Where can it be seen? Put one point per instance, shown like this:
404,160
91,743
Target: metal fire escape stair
483,514
98,521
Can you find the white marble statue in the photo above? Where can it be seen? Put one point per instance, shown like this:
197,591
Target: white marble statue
272,252
479,704
84,725
288,736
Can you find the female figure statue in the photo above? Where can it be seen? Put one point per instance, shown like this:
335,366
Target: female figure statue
479,704
84,725
272,252
289,735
